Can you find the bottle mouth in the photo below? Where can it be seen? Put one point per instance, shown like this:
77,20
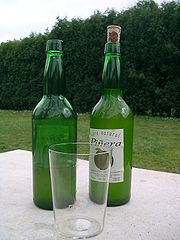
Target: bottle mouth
112,48
54,45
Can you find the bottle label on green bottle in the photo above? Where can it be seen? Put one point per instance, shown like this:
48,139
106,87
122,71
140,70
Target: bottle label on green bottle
103,140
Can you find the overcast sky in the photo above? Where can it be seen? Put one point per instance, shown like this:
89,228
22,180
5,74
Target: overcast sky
18,18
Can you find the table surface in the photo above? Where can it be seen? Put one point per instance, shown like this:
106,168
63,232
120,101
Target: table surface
153,212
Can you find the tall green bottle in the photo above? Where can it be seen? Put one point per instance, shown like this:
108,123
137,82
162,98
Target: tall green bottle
53,121
111,126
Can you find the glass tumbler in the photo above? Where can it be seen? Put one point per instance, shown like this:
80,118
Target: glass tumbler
76,214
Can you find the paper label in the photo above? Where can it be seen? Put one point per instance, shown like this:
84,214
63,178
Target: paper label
103,140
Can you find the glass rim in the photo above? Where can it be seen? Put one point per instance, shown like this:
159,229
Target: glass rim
109,151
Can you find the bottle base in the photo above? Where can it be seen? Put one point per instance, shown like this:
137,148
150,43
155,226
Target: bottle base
44,207
116,204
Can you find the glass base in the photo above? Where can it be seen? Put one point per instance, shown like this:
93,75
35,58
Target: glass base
78,228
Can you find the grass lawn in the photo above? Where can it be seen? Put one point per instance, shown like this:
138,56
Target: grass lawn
156,140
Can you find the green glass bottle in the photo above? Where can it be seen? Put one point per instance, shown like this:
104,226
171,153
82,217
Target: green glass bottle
111,126
53,121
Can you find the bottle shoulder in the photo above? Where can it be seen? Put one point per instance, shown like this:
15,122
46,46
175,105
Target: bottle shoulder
53,106
112,107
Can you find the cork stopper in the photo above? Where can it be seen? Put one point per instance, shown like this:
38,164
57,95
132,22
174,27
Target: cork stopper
113,34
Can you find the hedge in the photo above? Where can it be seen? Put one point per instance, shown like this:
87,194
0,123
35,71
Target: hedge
150,50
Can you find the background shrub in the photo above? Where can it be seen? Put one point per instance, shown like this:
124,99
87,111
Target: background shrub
150,69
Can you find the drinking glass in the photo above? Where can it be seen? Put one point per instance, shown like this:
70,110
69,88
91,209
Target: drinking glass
76,214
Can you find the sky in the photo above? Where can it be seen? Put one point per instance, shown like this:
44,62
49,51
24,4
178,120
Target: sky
19,18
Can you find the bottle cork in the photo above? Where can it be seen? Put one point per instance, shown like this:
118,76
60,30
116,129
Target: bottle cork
113,34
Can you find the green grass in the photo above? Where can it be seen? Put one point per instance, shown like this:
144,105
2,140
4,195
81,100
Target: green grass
157,143
156,140
15,130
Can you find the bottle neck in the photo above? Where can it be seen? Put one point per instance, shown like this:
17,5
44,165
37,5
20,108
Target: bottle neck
111,71
54,83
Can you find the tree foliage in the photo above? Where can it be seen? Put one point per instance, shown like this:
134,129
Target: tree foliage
150,48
